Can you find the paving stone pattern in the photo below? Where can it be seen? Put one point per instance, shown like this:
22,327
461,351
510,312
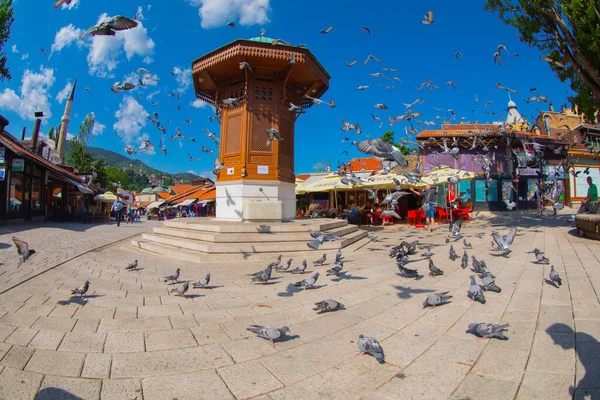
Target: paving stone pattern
132,339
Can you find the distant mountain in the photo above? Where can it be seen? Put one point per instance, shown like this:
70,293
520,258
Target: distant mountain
112,159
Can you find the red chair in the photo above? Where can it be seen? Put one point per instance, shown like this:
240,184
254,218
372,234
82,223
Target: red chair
463,213
442,213
387,218
412,214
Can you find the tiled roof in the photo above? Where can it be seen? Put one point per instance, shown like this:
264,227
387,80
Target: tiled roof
181,188
164,195
368,164
144,204
13,144
303,176
197,192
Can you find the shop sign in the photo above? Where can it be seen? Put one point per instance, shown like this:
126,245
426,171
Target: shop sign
263,169
2,154
18,164
528,171
2,173
554,171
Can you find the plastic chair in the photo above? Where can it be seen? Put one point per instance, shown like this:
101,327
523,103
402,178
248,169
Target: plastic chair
442,213
412,214
387,220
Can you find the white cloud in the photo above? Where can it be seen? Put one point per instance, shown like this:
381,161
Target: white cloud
183,77
14,49
152,94
25,56
34,94
65,36
64,92
104,53
216,13
74,4
99,127
198,103
139,14
131,118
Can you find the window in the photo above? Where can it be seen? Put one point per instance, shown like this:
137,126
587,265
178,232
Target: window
480,191
17,188
36,194
464,190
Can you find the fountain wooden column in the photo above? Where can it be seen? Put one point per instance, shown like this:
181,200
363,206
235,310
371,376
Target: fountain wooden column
258,183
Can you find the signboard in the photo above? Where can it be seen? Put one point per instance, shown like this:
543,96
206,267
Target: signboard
2,154
579,186
263,169
18,164
230,171
554,171
528,171
2,173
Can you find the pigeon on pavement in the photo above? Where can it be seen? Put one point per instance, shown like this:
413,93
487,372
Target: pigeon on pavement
132,266
488,331
286,266
489,284
370,345
467,245
320,261
300,269
181,290
22,250
464,263
338,256
407,273
475,292
554,277
433,270
427,253
328,306
336,269
269,333
173,277
452,254
263,276
539,256
308,283
82,290
436,299
203,283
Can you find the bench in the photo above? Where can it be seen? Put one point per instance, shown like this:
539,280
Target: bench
589,224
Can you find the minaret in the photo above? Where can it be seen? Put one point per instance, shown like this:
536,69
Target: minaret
514,116
64,124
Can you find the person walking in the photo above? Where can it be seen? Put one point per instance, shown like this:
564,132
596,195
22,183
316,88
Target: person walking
117,207
428,205
592,196
129,214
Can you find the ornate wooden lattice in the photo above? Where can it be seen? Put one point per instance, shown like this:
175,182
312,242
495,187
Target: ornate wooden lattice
264,92
260,123
234,131
236,90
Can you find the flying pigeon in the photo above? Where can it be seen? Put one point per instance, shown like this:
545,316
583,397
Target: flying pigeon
554,277
231,24
372,57
370,345
273,135
433,270
245,65
109,26
336,270
269,333
488,331
383,151
328,306
366,29
327,30
505,241
308,283
22,250
475,293
181,290
321,237
203,283
428,18
263,276
218,166
132,266
82,290
436,299
59,3
173,277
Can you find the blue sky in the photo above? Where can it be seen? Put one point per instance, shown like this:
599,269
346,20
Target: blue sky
175,32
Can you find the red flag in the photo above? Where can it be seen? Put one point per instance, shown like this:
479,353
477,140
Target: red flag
451,195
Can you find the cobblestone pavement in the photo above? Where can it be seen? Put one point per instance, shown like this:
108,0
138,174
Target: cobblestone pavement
132,339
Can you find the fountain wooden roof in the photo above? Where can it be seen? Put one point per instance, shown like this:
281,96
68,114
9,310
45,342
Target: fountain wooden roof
268,58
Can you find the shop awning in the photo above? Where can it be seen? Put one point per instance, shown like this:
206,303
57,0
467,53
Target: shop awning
206,201
186,202
156,204
107,197
80,186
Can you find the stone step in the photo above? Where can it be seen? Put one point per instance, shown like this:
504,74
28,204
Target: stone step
201,258
221,226
214,237
251,247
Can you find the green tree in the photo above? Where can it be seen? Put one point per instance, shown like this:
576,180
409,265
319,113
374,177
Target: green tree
117,176
388,136
100,170
51,133
78,158
6,20
566,32
85,134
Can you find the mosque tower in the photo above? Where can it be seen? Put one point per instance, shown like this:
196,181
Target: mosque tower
514,116
64,124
